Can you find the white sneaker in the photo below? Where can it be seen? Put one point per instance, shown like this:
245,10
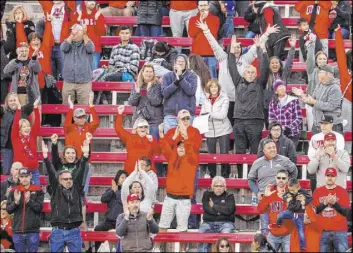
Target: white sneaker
156,250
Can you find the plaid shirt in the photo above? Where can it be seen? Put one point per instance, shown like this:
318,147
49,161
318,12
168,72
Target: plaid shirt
289,115
125,58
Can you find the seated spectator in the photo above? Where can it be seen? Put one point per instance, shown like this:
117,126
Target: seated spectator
295,210
11,182
7,113
260,244
286,110
24,138
148,184
112,197
222,245
225,11
135,225
285,146
180,14
178,89
163,58
6,228
341,11
26,200
329,155
253,28
203,76
264,170
147,99
219,128
78,51
124,59
219,208
334,224
119,8
149,18
68,216
199,42
138,143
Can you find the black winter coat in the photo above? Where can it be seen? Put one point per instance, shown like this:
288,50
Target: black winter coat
223,208
114,204
343,16
149,13
169,58
250,17
295,205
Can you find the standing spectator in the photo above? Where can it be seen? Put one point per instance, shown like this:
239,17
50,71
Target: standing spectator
199,42
66,200
342,11
219,128
149,18
249,103
268,14
78,51
6,228
24,139
163,58
222,245
334,225
147,99
10,182
285,146
124,59
253,28
180,14
139,143
203,76
306,36
329,156
119,8
219,208
286,110
26,203
112,197
134,226
94,21
178,89
5,79
278,71
317,14
225,11
263,172
7,113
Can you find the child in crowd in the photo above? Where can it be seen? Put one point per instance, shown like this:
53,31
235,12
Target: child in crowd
306,35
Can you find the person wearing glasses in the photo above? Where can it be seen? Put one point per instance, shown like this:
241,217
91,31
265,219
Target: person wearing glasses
66,204
222,245
219,208
25,202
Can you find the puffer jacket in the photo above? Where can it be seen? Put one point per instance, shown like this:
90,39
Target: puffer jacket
148,104
169,58
218,122
250,17
343,15
328,102
149,13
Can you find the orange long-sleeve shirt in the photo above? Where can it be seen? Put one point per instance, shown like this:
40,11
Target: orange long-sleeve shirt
200,44
75,135
183,5
322,23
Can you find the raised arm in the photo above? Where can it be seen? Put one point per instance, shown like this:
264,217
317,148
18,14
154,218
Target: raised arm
27,109
264,63
83,166
92,126
119,129
125,187
289,62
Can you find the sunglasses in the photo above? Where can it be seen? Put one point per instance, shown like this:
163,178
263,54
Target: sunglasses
219,186
185,118
81,117
281,178
222,246
67,178
143,127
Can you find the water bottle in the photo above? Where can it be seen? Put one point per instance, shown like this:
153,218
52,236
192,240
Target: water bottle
253,199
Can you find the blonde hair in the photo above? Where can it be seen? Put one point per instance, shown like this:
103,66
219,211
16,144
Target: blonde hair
25,15
4,202
6,106
140,80
22,122
210,83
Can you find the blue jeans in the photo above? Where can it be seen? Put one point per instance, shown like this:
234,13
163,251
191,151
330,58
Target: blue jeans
86,186
250,34
150,30
96,60
7,160
26,242
264,222
171,121
35,177
298,220
60,238
282,242
211,62
57,62
214,227
344,31
337,238
193,217
227,29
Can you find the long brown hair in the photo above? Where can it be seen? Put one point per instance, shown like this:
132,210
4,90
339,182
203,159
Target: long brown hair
215,246
63,160
197,64
140,81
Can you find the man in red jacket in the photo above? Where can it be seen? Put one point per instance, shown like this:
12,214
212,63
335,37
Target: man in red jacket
200,44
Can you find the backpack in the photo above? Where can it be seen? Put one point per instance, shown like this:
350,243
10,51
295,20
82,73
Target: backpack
147,49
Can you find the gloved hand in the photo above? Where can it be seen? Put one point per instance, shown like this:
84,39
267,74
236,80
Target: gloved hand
287,131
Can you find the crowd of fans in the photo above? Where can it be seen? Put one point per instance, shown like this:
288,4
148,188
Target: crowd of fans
240,90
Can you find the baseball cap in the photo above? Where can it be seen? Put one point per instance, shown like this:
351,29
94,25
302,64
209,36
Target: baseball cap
327,68
326,119
132,197
79,112
24,172
331,171
330,136
183,113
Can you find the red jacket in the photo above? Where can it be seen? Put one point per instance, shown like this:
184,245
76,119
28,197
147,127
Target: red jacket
25,151
200,44
8,229
136,146
193,135
183,5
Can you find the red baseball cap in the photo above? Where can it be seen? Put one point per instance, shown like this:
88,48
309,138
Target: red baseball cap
330,136
132,197
331,171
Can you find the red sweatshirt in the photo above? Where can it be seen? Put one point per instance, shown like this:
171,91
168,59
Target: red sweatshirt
25,149
329,218
193,135
200,44
183,5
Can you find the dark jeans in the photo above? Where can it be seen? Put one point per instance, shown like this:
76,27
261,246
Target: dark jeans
105,226
247,134
193,217
298,219
7,160
295,139
337,238
231,119
277,49
57,62
224,147
150,30
26,242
